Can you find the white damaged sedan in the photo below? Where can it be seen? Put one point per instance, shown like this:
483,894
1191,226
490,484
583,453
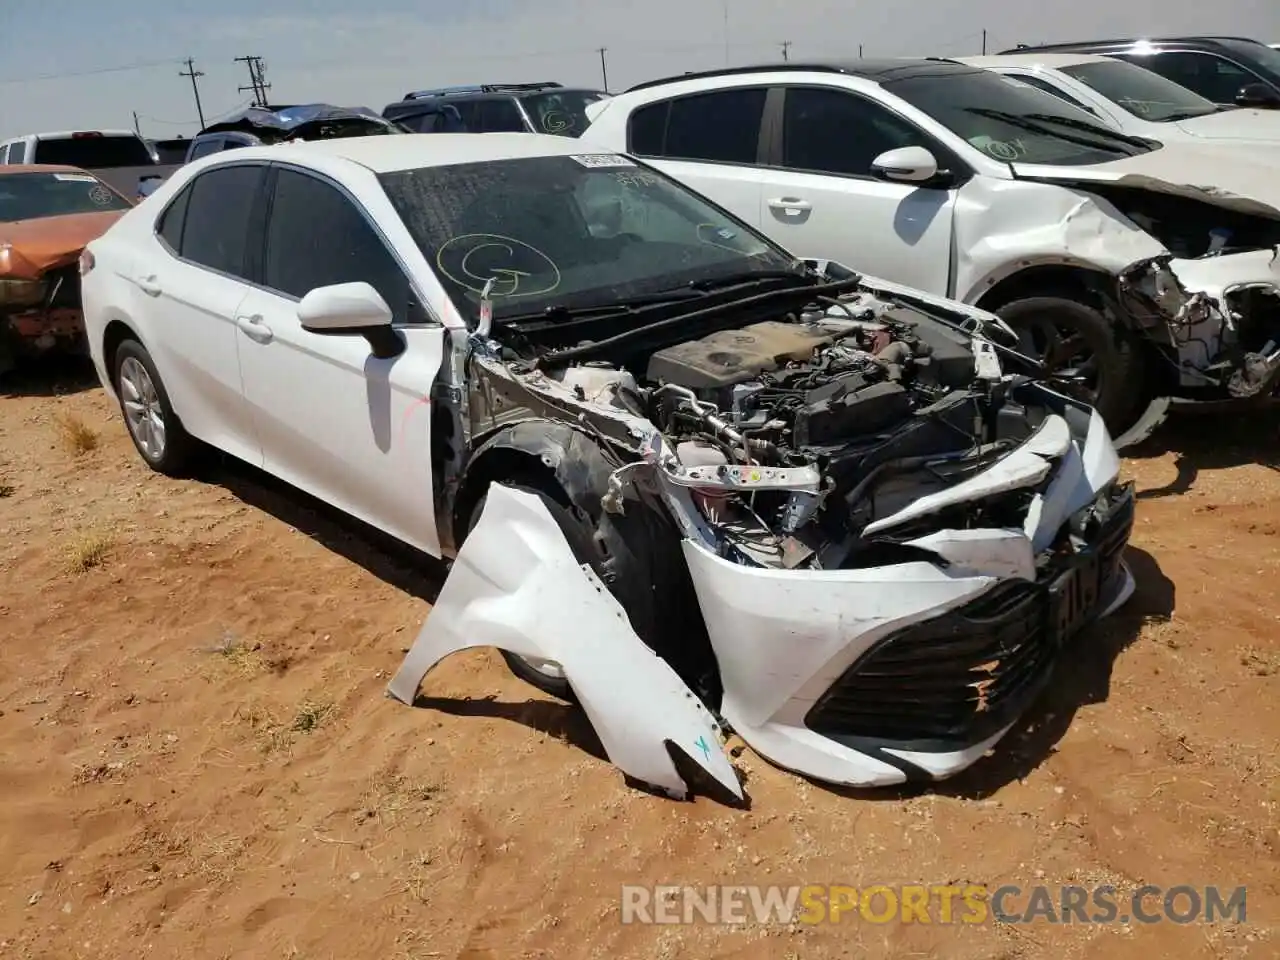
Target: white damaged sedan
687,480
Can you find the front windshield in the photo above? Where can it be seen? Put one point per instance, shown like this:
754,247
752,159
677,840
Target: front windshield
575,232
1012,122
563,112
33,196
1141,92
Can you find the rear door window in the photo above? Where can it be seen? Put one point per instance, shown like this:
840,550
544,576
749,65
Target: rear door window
216,229
500,115
94,152
722,127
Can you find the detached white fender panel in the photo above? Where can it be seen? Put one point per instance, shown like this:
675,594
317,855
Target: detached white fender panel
516,585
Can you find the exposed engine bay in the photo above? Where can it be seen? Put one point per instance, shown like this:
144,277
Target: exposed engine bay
1213,304
788,436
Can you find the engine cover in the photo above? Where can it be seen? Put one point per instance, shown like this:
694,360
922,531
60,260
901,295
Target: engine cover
732,356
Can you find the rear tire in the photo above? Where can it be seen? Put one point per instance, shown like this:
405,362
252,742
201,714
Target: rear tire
1068,335
154,428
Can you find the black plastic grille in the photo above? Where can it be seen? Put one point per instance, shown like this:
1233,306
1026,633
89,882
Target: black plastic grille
952,681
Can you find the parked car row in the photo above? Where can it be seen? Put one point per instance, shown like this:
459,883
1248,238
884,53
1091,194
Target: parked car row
1136,269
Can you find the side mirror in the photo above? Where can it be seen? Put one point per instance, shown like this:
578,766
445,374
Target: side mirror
351,309
1257,95
906,165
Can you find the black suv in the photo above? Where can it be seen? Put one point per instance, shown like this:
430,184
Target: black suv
495,107
1232,71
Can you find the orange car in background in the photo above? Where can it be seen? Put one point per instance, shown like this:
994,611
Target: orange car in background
47,215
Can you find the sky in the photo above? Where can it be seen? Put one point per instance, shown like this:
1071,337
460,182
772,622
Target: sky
86,64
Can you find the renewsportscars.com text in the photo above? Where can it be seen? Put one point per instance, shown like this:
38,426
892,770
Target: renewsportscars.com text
933,904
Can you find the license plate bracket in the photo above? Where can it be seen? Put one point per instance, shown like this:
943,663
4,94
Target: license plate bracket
1073,595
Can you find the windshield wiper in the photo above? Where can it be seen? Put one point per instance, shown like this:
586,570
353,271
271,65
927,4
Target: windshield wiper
1187,115
1035,123
746,278
559,314
1088,127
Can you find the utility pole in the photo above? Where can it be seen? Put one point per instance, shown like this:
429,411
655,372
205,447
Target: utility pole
859,51
604,70
984,43
136,129
193,73
257,80
786,45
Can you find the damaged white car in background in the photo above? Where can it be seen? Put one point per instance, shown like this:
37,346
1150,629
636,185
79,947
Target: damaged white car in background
691,482
1138,271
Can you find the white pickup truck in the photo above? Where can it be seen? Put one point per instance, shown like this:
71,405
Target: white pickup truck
120,158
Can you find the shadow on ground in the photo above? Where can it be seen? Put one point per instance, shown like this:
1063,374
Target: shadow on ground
383,556
49,376
1082,678
1211,441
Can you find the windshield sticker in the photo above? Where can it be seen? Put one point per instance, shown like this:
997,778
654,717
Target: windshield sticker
602,160
101,196
514,268
74,178
715,235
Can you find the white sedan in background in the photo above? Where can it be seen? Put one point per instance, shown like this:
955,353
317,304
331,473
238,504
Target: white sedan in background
686,466
1136,101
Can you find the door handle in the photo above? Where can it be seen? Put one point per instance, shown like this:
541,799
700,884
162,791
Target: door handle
790,206
148,285
254,328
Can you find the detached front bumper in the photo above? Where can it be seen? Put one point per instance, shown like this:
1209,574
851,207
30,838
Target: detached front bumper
913,671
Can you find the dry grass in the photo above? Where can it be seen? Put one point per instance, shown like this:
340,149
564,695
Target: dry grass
270,735
88,552
310,716
77,436
241,657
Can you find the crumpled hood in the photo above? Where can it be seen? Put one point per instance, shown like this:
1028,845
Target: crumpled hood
1262,126
30,247
1211,174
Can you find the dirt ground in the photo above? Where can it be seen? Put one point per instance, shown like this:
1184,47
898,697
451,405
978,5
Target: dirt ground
197,758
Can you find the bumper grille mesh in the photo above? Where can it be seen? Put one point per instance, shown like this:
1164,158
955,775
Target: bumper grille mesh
952,681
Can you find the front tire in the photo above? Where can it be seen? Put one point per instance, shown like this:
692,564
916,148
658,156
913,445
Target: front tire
154,428
1087,356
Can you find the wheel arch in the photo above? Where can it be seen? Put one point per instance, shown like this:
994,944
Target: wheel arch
1095,285
640,549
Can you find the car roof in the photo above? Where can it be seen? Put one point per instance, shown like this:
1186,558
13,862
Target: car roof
1205,41
41,168
1051,61
383,154
879,70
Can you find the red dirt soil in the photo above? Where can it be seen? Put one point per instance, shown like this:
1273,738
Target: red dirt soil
197,758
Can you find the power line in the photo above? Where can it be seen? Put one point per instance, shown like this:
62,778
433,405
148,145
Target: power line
212,118
193,73
145,65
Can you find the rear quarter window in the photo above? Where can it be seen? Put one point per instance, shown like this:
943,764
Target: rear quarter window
94,153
